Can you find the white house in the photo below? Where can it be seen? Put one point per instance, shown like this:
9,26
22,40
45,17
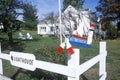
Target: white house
47,29
69,17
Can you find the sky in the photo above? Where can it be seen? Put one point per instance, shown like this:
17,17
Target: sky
46,6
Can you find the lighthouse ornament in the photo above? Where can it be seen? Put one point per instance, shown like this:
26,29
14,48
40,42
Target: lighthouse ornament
80,28
82,41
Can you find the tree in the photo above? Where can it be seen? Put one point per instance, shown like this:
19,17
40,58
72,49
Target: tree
118,29
111,31
109,10
8,16
75,3
29,16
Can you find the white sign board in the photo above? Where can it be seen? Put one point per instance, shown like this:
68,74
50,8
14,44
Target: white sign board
4,77
23,60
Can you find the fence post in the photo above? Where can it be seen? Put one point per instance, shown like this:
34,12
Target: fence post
102,65
1,66
73,61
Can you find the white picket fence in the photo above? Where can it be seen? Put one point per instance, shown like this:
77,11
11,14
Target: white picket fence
73,70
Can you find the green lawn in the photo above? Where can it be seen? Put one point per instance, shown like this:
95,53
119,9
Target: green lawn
44,48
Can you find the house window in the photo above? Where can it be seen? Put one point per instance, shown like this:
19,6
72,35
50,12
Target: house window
51,28
43,29
57,27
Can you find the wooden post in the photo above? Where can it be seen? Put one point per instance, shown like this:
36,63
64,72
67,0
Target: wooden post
1,66
102,65
73,62
60,21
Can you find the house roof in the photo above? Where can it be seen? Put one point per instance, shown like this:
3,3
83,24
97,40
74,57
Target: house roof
49,21
69,9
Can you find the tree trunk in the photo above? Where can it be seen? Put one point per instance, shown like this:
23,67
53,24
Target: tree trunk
118,29
10,36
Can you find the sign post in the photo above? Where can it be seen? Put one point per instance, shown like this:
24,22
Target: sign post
1,66
4,77
23,60
73,62
102,65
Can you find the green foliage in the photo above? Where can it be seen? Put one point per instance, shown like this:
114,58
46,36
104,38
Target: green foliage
109,10
29,25
49,54
8,15
8,11
29,12
75,3
111,31
29,16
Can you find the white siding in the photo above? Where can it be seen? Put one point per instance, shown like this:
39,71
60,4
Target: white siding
44,29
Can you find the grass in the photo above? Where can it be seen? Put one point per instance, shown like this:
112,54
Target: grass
46,43
113,59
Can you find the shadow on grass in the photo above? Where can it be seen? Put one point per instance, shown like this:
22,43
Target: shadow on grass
17,45
41,75
38,75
